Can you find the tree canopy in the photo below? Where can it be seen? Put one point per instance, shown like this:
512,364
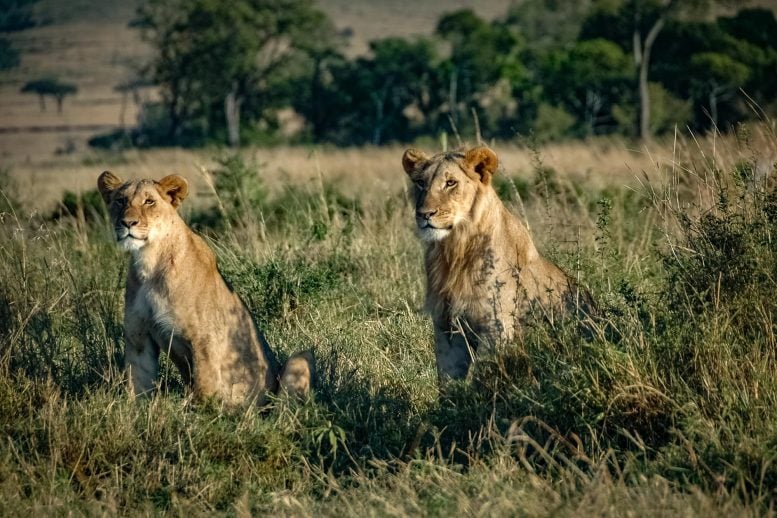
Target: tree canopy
52,87
556,68
216,60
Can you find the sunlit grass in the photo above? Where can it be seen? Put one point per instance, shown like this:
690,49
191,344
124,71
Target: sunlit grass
670,408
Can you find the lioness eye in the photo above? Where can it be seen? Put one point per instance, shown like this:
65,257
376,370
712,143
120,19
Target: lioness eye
451,183
149,202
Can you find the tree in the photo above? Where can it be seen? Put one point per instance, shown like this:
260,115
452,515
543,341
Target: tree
214,58
9,56
548,23
644,20
391,95
51,87
482,53
757,26
16,15
587,80
131,87
719,78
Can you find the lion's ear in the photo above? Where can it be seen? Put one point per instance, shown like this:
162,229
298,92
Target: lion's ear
175,187
108,182
483,161
413,159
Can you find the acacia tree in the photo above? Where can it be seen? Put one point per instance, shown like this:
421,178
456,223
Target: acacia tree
50,87
213,57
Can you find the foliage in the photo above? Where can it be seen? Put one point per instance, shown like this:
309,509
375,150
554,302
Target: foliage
588,80
86,206
9,56
16,15
548,23
552,123
217,62
497,77
368,101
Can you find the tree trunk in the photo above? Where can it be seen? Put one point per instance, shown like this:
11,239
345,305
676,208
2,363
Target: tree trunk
232,104
59,102
123,109
713,97
377,131
42,101
174,113
452,93
642,50
644,66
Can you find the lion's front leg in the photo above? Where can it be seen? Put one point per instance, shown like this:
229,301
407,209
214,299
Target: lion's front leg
141,358
454,353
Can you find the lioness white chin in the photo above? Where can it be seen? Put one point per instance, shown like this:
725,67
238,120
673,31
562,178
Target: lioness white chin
483,272
176,301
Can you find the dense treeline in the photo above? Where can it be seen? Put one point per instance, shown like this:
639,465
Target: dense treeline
553,68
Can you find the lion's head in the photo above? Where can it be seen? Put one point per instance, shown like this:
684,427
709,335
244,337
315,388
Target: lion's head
141,210
446,186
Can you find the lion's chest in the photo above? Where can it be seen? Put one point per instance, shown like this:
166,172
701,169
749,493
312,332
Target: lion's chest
154,309
478,296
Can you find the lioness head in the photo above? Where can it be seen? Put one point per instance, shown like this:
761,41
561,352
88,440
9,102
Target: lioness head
446,187
141,209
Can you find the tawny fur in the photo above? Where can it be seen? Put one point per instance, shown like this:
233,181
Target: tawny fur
483,272
176,301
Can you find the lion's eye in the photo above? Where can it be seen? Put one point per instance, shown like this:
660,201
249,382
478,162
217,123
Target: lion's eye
451,183
149,202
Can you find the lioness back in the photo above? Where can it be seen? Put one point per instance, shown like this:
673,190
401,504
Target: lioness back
483,272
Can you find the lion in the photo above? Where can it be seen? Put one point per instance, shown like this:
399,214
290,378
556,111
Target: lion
483,272
177,301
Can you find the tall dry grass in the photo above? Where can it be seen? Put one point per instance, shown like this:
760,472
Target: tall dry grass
670,408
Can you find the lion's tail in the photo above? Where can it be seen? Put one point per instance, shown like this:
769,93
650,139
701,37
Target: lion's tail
298,374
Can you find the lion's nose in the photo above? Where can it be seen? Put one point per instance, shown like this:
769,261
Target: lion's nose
129,222
425,214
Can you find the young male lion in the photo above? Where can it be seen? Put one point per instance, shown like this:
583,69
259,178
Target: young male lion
177,301
483,272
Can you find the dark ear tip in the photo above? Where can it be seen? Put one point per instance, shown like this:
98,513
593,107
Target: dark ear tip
108,180
411,158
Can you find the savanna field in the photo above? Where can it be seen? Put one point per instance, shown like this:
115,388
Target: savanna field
666,211
669,408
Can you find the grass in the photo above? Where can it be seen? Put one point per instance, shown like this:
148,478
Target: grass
671,407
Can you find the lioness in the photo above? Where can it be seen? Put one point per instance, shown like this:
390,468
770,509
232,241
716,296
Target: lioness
483,272
177,301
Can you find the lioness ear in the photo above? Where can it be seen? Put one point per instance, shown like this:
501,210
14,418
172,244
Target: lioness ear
483,161
108,182
413,159
175,187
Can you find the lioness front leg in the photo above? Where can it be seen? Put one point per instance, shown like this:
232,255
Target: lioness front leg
454,354
141,360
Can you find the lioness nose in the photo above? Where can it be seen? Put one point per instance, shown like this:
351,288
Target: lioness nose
129,222
425,214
